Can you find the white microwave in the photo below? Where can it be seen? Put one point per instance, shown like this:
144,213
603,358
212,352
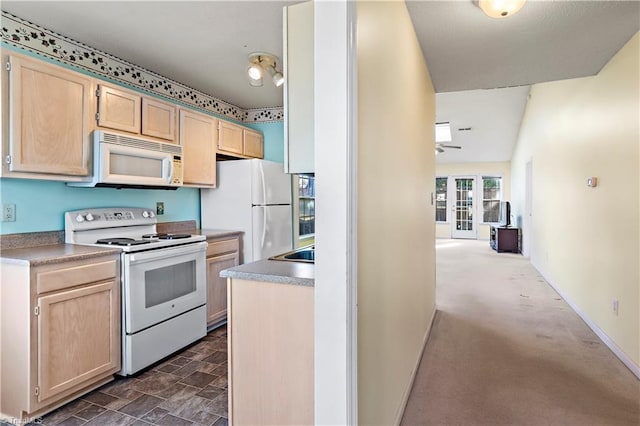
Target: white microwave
121,161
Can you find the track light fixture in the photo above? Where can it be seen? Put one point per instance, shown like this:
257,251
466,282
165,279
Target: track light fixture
261,63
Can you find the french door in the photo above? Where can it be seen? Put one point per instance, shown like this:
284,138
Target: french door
464,223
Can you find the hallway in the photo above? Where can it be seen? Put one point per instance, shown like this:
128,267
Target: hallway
505,349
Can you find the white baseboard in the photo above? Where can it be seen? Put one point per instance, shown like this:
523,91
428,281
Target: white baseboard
407,391
622,356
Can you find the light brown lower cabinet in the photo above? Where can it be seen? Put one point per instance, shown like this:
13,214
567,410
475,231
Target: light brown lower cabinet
270,343
60,333
221,255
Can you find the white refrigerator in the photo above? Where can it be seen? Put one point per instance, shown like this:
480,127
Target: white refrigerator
253,196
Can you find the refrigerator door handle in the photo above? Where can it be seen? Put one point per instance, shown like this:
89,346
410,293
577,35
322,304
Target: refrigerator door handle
264,185
264,226
264,200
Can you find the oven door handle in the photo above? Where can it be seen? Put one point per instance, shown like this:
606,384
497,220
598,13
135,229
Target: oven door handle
167,253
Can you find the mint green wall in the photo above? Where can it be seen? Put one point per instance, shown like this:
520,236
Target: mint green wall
40,204
273,139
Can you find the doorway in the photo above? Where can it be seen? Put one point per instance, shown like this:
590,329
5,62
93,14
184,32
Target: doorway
464,223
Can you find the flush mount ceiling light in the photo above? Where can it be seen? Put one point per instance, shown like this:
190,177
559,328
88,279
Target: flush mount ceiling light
500,8
261,63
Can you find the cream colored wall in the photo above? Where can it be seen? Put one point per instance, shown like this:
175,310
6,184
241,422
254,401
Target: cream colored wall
503,169
396,255
585,241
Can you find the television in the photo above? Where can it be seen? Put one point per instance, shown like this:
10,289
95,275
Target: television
505,214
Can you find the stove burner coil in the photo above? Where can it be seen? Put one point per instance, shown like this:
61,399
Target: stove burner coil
164,236
121,241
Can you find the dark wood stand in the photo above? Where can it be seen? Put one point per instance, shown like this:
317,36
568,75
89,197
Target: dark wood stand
505,239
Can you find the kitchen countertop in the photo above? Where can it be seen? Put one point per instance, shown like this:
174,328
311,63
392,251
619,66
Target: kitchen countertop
274,271
212,234
189,227
23,249
50,254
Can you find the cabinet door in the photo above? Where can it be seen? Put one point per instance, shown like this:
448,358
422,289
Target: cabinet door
230,137
198,137
50,114
118,109
298,88
217,286
253,144
271,347
158,119
78,336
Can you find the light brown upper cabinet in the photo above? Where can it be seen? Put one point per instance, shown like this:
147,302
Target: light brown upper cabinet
158,119
47,117
239,141
230,138
253,143
131,112
118,109
199,138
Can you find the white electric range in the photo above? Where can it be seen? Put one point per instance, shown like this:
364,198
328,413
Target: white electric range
163,279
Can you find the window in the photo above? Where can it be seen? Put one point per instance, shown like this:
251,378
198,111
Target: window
441,199
491,196
306,206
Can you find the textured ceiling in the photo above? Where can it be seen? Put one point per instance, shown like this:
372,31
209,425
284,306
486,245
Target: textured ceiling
545,41
204,44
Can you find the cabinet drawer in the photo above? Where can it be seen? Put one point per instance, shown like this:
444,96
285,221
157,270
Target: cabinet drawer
56,279
220,247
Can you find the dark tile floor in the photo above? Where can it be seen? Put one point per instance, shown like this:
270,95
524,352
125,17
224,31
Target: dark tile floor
188,388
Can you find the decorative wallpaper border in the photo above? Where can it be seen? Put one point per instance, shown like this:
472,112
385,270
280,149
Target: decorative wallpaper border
36,39
257,115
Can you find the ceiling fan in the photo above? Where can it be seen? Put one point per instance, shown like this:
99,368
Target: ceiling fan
443,134
440,147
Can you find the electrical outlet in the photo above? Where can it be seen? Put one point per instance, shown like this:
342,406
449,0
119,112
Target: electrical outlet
615,306
8,213
159,208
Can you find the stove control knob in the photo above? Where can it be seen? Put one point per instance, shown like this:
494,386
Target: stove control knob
151,214
145,214
79,218
89,217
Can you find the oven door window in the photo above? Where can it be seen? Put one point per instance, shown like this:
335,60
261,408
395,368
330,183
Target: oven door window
161,284
168,283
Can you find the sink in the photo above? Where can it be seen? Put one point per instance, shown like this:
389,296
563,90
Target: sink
304,254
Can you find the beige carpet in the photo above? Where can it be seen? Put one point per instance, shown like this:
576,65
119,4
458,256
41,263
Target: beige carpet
505,349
